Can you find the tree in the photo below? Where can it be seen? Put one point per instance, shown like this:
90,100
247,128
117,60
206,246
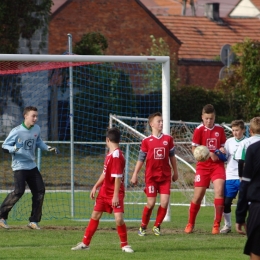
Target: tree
21,19
241,85
154,74
93,43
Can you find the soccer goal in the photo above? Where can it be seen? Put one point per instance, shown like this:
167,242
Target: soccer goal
74,95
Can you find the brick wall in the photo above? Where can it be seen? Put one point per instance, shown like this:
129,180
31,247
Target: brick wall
126,25
199,73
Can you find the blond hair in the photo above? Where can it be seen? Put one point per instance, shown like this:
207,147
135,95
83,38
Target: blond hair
255,125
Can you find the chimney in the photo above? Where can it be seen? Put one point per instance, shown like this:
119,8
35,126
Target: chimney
212,11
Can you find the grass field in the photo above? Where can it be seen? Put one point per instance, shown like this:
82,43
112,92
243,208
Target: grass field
56,238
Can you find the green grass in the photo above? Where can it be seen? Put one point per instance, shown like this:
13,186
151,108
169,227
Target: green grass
56,238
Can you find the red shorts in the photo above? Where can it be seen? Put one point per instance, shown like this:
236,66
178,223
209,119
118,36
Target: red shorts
152,188
104,204
204,174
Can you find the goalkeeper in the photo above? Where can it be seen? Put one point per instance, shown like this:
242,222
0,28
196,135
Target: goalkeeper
21,143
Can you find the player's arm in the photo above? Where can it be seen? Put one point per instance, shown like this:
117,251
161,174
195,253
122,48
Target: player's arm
97,185
138,166
173,162
242,204
115,199
12,143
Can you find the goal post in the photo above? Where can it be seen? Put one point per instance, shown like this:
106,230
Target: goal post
125,85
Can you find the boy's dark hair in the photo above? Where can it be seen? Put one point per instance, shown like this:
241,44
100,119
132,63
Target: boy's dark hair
28,109
240,123
208,109
255,125
113,134
152,116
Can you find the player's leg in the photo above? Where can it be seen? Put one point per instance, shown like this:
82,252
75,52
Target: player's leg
89,231
194,208
151,193
218,204
13,197
122,231
164,190
37,187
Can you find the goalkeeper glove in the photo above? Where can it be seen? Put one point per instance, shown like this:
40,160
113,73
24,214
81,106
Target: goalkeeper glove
56,150
18,145
221,156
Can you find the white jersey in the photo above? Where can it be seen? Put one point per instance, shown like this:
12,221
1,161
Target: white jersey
231,147
241,150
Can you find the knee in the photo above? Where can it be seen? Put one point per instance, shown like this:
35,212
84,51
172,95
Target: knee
227,205
18,194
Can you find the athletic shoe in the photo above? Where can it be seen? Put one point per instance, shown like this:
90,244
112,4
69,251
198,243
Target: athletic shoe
80,246
215,229
33,225
225,230
3,223
127,249
156,231
142,232
189,228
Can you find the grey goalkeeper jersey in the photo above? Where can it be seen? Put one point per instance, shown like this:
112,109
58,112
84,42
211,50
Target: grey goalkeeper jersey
24,158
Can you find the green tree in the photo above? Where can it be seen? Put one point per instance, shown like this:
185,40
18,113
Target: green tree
93,43
154,74
242,84
21,18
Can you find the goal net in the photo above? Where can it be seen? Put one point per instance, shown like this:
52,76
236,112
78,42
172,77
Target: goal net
74,95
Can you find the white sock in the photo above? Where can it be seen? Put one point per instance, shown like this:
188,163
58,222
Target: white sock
227,219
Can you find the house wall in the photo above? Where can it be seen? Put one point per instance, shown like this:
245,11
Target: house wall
205,74
126,25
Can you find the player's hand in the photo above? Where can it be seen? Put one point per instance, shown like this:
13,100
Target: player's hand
93,193
213,157
134,179
175,176
115,201
18,145
55,149
239,228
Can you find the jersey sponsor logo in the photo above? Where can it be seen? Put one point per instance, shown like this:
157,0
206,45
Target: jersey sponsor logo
29,144
151,139
165,142
212,143
159,153
217,134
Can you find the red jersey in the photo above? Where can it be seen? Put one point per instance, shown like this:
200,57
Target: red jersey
114,166
157,150
213,138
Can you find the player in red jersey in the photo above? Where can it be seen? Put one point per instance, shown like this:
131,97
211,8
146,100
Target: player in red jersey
213,136
157,150
111,194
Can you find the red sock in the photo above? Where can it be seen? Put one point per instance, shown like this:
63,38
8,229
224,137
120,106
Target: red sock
219,208
146,216
90,231
122,233
160,216
193,211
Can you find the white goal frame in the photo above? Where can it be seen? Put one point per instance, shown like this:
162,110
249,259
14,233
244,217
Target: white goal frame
164,60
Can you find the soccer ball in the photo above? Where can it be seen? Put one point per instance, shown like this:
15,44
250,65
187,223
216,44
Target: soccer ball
201,153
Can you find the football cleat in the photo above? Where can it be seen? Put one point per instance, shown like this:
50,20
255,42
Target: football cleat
189,228
215,229
141,232
33,225
225,230
156,231
127,249
3,223
80,246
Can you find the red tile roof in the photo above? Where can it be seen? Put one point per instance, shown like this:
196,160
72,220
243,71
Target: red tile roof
202,38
